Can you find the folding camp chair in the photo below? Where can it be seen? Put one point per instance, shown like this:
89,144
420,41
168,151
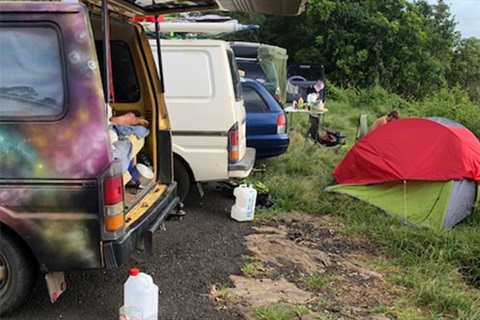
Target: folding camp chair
362,127
323,136
313,129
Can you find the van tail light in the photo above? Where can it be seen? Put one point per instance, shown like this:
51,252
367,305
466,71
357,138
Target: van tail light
114,216
281,123
233,143
112,190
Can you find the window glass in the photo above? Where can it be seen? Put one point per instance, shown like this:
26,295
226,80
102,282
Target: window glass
31,73
252,70
253,101
237,86
125,82
309,72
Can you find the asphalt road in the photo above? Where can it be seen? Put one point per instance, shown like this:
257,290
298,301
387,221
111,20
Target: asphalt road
190,256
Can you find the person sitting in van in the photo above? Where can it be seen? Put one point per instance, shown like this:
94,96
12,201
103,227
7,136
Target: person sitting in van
122,128
129,119
393,115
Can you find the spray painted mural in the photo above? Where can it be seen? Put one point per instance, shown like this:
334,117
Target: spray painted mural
53,131
51,90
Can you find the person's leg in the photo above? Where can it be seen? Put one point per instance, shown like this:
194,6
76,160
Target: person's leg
123,151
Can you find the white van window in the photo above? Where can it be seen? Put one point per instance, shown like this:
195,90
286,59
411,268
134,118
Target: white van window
237,85
31,77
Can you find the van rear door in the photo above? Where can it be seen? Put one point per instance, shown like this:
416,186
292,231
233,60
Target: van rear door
157,7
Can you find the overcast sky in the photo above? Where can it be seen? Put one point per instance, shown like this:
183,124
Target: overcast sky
467,15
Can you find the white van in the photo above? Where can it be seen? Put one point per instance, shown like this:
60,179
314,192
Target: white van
206,110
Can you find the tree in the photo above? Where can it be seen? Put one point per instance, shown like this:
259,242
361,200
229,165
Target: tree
465,70
402,46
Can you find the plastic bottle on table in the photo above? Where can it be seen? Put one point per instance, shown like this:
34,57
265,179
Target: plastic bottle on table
141,292
300,103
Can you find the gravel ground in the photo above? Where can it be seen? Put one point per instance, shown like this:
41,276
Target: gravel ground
192,255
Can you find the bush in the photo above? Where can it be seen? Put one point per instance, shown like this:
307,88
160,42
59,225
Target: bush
379,102
453,104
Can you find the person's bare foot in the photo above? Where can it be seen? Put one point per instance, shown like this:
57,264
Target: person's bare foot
129,119
140,122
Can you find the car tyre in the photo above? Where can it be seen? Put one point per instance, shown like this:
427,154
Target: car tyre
183,179
17,272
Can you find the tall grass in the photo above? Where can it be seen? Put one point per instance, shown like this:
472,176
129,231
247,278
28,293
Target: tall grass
441,268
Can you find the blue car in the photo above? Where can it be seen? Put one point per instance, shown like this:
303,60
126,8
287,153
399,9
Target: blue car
266,121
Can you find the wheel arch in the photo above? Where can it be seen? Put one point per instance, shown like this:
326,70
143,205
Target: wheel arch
187,166
11,232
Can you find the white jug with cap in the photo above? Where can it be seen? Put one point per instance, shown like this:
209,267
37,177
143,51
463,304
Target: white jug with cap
141,292
244,207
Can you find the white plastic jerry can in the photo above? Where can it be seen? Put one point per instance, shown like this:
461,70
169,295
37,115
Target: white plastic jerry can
141,292
245,199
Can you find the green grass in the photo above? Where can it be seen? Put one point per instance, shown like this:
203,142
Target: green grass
223,293
381,310
440,269
316,281
281,312
252,267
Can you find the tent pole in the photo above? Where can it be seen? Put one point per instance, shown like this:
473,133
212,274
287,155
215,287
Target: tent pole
405,197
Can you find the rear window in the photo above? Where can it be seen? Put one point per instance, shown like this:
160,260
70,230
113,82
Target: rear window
252,70
125,82
31,72
253,101
309,72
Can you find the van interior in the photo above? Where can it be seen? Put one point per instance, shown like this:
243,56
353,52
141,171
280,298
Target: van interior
130,93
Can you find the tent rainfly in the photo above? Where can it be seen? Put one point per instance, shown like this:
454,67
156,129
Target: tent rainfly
423,170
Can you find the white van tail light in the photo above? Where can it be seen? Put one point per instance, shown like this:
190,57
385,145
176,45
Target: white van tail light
233,142
114,217
281,124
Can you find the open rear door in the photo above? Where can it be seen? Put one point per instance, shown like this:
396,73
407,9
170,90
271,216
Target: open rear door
135,8
279,7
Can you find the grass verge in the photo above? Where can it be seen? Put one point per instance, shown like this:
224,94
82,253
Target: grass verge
441,267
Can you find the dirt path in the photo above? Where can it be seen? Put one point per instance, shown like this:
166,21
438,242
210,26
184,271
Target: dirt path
303,261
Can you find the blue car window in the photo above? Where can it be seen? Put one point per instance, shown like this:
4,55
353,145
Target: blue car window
253,101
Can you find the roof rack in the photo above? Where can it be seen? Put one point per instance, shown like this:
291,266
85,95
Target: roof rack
189,29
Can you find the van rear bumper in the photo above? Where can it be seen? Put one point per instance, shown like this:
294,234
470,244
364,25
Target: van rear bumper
139,237
242,168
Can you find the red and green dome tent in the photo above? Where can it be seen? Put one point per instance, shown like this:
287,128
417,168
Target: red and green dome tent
423,170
